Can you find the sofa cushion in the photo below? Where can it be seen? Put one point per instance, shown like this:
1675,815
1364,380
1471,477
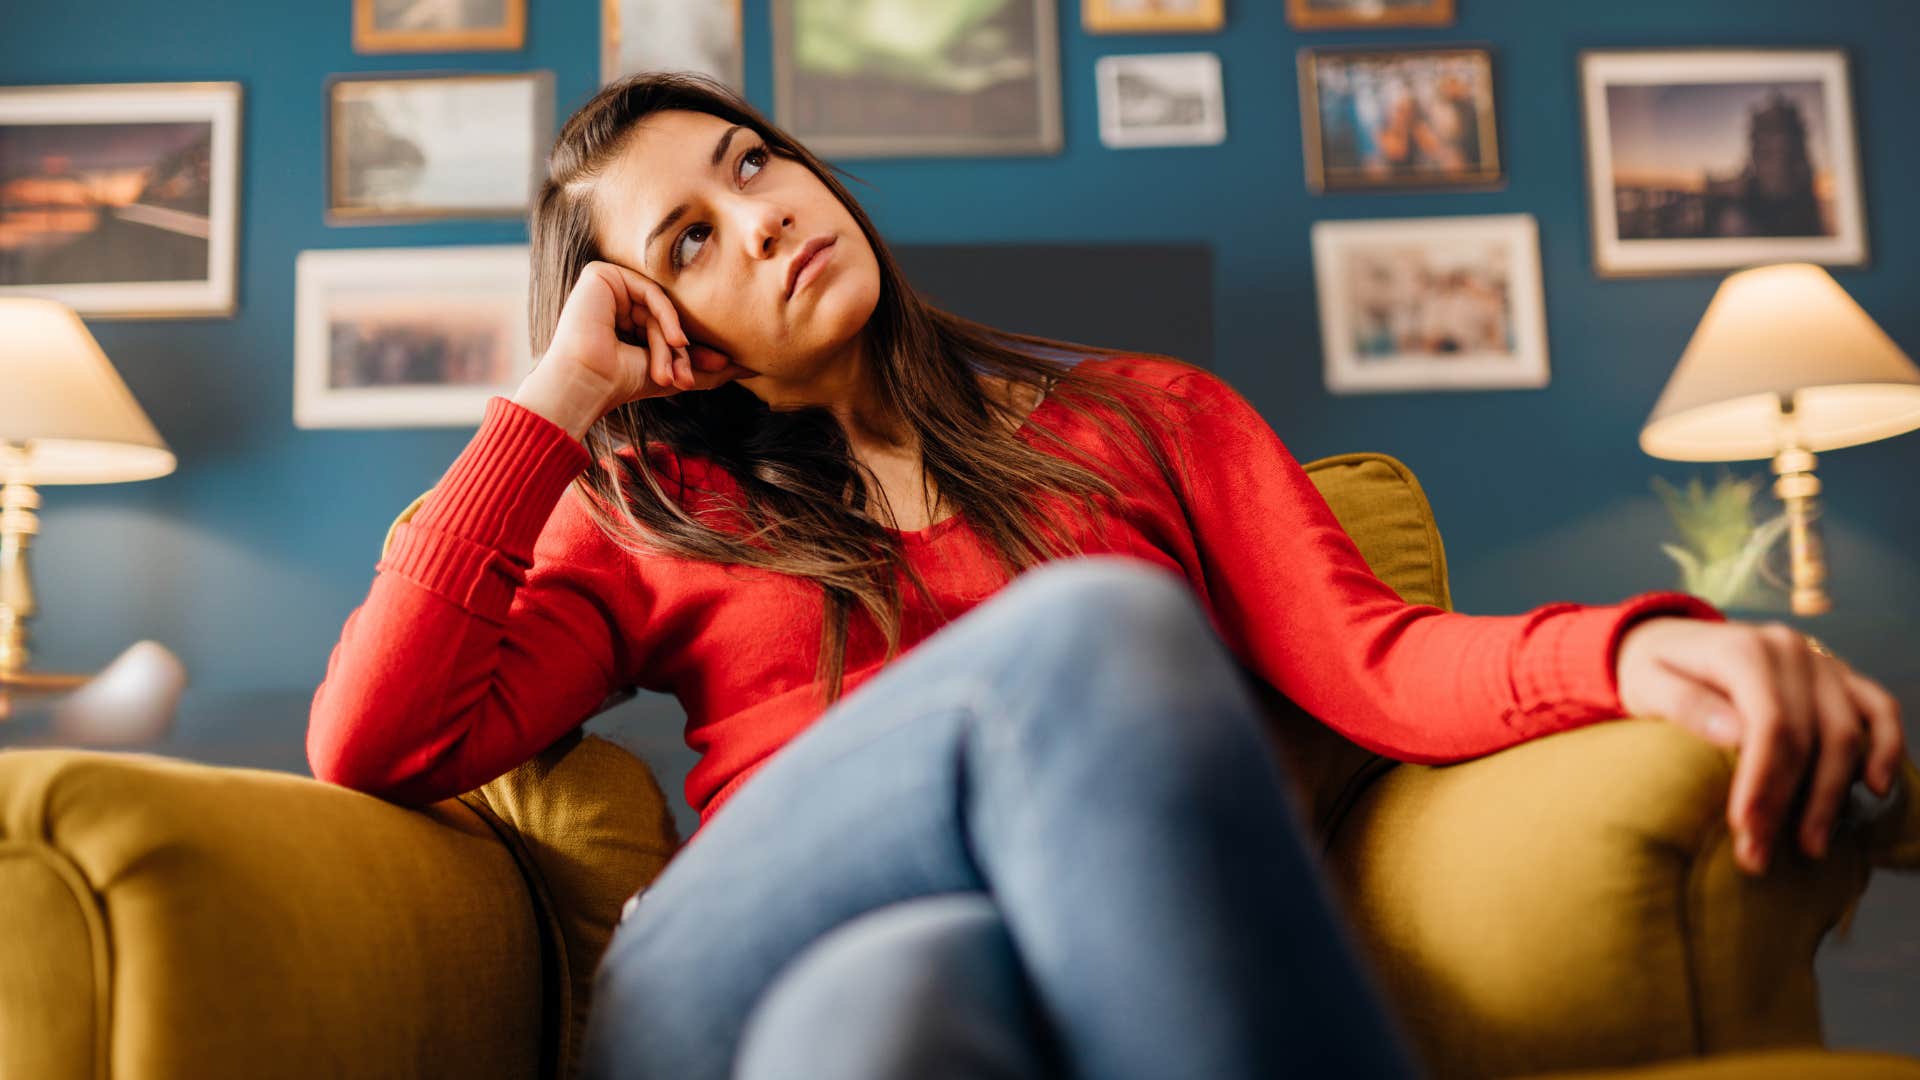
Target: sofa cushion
1380,504
589,825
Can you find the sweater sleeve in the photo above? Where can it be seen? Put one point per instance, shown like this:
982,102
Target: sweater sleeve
490,629
1300,606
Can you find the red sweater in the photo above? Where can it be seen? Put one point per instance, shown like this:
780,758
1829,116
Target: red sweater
501,617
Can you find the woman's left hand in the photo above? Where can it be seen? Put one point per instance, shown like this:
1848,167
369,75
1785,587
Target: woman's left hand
1762,687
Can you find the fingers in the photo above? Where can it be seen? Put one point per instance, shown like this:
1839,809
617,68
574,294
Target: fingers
1886,735
1771,754
1842,743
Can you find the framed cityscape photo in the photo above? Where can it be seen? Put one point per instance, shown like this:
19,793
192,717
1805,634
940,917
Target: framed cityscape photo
1444,303
121,200
1378,119
867,80
407,337
389,26
702,36
1705,160
1161,99
1152,16
421,147
1365,14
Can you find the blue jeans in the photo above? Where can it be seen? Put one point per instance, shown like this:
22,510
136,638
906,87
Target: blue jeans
1052,839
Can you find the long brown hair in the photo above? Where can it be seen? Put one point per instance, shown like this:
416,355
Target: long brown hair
806,496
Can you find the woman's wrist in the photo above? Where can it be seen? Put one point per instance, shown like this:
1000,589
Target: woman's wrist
566,394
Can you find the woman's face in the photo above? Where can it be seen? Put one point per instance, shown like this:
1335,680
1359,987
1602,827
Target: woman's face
705,209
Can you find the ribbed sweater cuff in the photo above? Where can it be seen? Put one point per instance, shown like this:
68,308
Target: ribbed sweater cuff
1583,645
502,488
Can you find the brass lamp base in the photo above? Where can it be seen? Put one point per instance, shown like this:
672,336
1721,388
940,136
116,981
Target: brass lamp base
40,681
18,524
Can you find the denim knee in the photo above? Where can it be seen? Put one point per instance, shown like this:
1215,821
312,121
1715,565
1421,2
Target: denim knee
926,988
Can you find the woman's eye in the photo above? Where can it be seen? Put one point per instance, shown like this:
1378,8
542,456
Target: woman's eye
758,158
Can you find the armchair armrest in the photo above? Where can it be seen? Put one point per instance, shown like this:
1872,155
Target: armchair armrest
171,919
1573,902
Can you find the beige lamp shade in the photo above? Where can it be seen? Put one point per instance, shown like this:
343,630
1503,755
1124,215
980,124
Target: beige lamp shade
62,398
1774,332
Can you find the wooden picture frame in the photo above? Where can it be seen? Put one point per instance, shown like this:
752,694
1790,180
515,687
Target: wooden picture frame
876,111
134,211
391,145
370,37
687,29
1375,148
1706,160
1360,14
1126,17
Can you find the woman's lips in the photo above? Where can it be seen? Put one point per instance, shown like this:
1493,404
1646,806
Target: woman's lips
813,268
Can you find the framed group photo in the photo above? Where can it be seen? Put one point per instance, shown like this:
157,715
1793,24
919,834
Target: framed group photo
408,337
877,80
1704,160
701,36
121,200
1367,14
1152,16
422,147
1444,303
1382,119
389,26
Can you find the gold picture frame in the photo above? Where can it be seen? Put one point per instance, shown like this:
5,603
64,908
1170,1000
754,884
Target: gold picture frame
1104,17
507,36
1304,15
1335,166
367,175
686,42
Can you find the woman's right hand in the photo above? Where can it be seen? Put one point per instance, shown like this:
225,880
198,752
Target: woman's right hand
592,365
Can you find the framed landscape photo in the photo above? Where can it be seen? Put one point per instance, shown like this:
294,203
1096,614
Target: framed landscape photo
1161,99
1363,14
871,79
1705,160
407,337
1152,16
421,147
1444,303
702,36
121,200
388,26
1376,119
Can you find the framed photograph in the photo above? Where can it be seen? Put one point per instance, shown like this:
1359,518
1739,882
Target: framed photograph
702,36
1401,118
1363,14
407,337
1152,16
1161,99
121,200
876,80
420,147
1445,303
390,26
1713,159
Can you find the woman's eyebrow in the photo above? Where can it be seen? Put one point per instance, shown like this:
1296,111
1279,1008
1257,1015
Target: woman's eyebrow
719,152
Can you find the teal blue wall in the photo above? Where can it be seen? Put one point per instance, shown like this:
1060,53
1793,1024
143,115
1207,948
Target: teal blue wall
249,557
247,560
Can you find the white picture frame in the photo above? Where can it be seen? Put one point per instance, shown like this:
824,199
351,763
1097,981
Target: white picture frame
112,209
701,36
1439,303
1660,164
375,327
1161,99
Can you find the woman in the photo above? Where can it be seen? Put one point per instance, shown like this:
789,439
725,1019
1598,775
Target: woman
994,828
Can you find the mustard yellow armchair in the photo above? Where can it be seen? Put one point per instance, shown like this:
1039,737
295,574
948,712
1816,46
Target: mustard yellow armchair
1567,907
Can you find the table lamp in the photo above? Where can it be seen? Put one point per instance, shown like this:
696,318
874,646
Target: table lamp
65,418
1784,364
